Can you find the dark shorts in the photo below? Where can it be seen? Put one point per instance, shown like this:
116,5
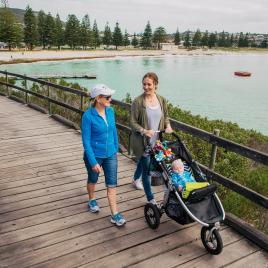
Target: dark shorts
109,166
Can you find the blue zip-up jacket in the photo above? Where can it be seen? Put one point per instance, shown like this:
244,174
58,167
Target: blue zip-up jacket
181,179
99,138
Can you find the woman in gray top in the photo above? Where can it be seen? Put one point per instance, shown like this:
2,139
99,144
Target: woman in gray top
148,115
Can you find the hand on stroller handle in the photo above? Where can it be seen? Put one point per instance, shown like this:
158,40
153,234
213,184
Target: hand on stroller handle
147,138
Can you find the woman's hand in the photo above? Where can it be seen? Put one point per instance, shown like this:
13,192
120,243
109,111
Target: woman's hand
168,129
149,133
96,168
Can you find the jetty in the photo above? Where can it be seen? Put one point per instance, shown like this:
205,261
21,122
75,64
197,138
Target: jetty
63,76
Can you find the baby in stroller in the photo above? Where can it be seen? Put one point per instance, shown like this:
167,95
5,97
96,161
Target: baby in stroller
180,176
183,180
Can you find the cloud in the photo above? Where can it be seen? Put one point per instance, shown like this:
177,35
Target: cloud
213,15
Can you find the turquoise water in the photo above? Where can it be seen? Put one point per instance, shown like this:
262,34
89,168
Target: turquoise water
204,85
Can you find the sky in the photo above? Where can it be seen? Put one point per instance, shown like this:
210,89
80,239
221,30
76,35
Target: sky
132,15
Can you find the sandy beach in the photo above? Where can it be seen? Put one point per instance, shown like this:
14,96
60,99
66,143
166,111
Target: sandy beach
9,57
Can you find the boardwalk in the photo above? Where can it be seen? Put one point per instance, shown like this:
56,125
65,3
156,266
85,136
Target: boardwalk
44,220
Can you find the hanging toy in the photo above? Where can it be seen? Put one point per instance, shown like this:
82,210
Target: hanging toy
162,151
158,146
160,156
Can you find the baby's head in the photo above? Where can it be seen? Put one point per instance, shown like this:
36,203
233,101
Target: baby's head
177,166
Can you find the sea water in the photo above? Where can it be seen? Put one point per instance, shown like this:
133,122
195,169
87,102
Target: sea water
204,85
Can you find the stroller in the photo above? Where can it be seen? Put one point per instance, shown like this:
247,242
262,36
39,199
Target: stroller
202,205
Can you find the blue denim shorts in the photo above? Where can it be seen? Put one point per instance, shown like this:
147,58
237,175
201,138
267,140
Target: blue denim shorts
109,166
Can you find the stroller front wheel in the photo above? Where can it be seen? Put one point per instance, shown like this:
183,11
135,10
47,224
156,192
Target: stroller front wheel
211,240
152,215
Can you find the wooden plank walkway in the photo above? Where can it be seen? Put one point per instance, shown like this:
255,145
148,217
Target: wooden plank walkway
44,220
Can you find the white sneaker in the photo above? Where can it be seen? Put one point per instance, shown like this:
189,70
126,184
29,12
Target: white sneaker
137,184
152,201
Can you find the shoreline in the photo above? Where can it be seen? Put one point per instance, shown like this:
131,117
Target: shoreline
16,57
22,56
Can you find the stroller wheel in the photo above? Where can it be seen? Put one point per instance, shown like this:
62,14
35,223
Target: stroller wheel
212,242
152,215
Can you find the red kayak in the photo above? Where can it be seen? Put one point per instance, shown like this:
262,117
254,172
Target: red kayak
242,73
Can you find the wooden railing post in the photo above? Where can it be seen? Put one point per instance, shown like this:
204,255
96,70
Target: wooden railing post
7,88
26,94
49,104
81,103
129,148
213,154
81,107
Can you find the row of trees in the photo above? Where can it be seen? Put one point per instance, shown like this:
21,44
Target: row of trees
222,39
46,31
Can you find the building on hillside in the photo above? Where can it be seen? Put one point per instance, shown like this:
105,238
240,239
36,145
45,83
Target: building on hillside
3,45
168,46
259,39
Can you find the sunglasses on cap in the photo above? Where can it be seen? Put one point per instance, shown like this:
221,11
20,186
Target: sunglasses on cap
106,97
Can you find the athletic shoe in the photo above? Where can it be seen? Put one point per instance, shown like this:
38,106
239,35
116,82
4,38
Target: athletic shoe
137,184
118,219
152,201
93,206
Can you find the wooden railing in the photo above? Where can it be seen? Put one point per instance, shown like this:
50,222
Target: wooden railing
211,138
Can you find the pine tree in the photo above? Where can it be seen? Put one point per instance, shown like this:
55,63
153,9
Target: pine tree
177,38
246,41
95,35
107,37
232,40
117,36
30,28
59,32
50,30
18,35
197,38
126,41
4,3
241,40
187,42
72,31
85,32
204,40
10,30
212,40
134,41
227,40
222,41
146,40
264,43
41,28
159,36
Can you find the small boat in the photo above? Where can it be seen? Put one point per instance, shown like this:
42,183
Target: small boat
242,73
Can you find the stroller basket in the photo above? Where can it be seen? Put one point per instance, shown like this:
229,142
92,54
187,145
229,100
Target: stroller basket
175,211
199,194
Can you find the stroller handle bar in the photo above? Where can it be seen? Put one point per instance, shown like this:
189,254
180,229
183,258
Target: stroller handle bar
160,132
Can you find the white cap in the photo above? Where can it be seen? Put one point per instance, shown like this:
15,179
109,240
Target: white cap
101,89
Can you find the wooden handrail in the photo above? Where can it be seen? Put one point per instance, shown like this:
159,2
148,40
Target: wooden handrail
44,97
204,135
43,82
221,142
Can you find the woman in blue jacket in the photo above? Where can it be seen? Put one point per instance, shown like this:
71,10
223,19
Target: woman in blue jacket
100,143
